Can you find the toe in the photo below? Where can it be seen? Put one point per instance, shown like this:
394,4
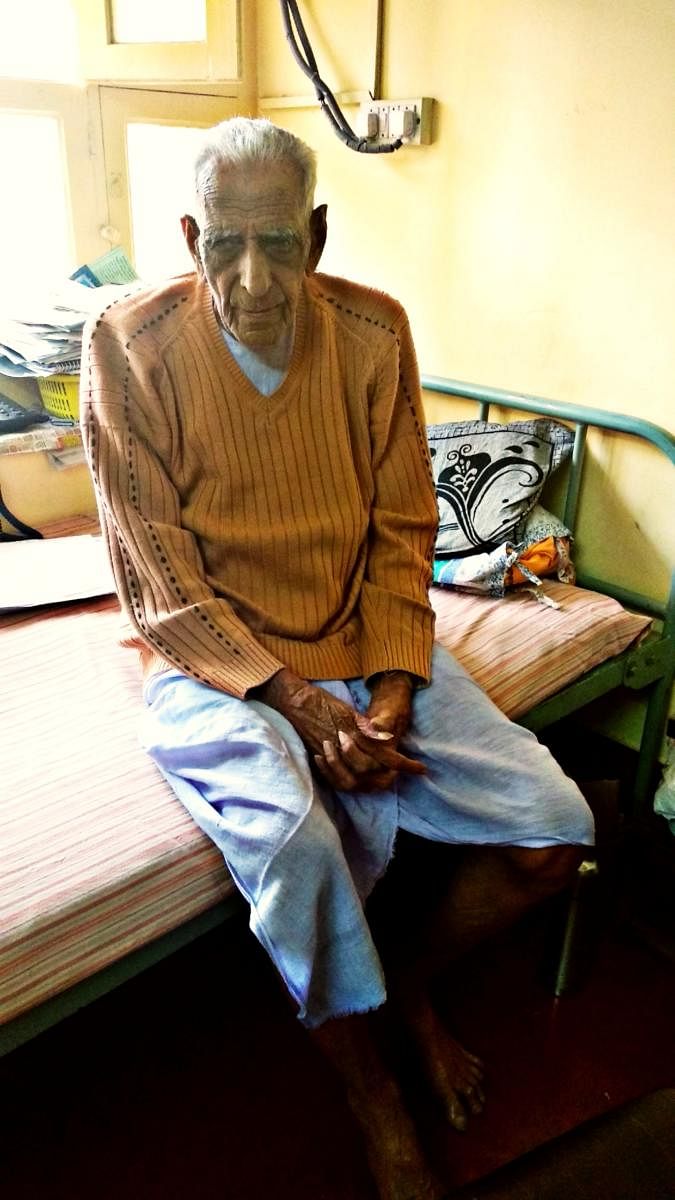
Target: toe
475,1101
457,1114
473,1073
474,1066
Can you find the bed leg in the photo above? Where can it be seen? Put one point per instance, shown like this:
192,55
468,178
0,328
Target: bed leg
569,953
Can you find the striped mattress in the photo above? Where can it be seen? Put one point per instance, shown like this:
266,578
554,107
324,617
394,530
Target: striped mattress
97,857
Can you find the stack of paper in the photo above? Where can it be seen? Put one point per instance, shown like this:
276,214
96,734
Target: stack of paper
41,334
41,331
52,571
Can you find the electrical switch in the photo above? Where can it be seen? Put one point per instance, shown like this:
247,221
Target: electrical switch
402,122
390,120
409,122
395,123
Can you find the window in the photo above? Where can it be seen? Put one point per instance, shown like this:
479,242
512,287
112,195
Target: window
144,40
77,155
35,227
157,21
159,159
149,141
39,40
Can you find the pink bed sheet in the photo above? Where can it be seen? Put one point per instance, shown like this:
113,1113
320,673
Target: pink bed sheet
97,857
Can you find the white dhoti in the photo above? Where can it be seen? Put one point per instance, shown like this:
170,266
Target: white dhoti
306,858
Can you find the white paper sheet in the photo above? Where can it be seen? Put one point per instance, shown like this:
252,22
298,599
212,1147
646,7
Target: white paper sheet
52,570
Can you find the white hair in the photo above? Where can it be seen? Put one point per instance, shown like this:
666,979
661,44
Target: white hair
243,140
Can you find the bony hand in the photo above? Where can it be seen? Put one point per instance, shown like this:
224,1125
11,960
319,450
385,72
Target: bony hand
389,713
390,705
365,758
348,749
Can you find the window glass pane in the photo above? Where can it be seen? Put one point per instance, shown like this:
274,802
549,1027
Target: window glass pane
159,20
160,161
35,237
38,40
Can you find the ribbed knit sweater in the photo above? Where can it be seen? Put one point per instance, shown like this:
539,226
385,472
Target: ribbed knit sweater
248,532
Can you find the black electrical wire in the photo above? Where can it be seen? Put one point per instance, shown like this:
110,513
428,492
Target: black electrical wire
290,16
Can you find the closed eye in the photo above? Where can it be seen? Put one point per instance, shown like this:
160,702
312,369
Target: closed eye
224,246
280,244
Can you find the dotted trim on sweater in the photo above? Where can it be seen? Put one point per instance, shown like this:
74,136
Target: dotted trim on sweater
132,577
420,432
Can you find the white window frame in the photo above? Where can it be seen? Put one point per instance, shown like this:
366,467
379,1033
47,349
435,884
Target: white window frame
76,109
121,107
218,59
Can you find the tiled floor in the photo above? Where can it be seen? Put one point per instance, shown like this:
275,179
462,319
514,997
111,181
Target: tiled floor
195,1081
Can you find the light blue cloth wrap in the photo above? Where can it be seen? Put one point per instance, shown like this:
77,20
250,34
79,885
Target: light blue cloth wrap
306,858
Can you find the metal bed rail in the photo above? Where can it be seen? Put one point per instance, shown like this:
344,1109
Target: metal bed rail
577,414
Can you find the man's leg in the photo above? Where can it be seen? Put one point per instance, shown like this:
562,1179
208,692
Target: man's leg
396,1159
493,789
491,888
242,773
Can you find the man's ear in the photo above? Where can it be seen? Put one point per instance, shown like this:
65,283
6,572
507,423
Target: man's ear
318,228
191,234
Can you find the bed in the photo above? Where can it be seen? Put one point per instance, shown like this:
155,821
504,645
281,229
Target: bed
103,873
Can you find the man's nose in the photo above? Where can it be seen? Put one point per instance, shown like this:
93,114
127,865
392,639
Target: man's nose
254,271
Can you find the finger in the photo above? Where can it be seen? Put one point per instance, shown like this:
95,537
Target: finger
409,766
357,759
387,757
343,776
366,725
344,782
384,722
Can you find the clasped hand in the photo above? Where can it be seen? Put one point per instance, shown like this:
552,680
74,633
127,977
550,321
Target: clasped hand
351,750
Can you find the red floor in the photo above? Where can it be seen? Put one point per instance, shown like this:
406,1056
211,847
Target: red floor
195,1081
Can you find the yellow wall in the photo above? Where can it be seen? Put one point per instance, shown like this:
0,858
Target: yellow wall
533,242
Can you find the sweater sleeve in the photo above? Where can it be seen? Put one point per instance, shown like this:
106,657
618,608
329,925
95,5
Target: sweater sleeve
129,440
397,618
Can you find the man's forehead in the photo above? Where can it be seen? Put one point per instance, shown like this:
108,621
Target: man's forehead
273,188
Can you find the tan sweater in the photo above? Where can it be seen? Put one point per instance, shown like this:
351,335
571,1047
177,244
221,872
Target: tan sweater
248,532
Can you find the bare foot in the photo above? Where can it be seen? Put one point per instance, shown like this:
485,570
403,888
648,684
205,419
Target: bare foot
455,1075
395,1157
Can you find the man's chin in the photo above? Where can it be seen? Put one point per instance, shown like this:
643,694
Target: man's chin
256,338
256,332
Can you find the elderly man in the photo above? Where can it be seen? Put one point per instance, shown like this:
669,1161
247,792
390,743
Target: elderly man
256,438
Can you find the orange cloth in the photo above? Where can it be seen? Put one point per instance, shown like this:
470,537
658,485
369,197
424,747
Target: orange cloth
541,559
249,532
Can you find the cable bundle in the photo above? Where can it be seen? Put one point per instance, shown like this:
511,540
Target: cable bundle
304,56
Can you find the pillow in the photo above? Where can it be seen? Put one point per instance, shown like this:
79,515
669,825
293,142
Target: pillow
488,477
541,547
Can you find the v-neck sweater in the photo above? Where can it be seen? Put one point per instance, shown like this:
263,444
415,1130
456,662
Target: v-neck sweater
250,532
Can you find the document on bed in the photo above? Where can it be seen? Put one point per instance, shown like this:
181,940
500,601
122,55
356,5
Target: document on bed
36,571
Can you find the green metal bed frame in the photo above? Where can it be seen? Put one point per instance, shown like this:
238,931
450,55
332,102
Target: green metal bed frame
648,668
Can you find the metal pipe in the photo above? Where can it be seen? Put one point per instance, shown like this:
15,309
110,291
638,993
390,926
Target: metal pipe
560,410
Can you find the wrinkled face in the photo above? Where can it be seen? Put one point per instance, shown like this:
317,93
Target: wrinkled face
252,246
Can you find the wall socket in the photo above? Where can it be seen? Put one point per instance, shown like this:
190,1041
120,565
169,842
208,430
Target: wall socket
385,120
